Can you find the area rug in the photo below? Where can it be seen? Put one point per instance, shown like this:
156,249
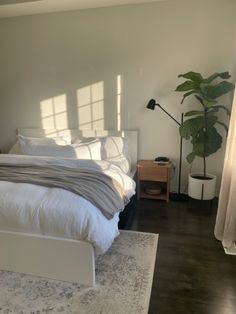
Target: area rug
123,283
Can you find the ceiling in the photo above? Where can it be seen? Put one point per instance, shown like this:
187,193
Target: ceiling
10,8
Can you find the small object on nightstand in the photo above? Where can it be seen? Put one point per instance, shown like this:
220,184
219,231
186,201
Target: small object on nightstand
162,159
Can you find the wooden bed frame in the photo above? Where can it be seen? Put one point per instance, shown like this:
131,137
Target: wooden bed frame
52,257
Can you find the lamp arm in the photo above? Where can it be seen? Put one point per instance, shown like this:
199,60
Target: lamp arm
168,114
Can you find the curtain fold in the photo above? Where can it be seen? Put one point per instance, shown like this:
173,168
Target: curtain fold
225,227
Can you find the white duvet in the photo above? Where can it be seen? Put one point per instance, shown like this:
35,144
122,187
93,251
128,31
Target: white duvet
48,211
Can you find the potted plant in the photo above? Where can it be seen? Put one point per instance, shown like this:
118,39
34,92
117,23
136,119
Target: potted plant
200,125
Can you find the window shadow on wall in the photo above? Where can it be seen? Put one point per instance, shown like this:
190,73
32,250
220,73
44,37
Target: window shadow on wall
54,114
85,109
90,106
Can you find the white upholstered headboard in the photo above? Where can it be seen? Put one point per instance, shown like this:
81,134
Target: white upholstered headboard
131,136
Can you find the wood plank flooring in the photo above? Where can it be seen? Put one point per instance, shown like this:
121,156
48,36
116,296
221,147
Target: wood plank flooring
193,275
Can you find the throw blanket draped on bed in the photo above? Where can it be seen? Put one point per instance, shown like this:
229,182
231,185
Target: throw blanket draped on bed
104,192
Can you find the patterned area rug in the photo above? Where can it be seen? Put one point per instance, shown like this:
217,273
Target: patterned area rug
123,284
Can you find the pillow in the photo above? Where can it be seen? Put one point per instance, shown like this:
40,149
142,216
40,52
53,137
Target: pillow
15,149
90,150
114,146
22,140
59,140
113,149
122,162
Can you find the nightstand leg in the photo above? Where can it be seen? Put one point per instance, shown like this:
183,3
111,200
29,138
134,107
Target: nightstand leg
138,190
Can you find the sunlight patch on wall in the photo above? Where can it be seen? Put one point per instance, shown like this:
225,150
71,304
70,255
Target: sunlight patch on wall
118,102
54,113
90,101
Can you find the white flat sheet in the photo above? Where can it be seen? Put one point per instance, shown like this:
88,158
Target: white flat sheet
57,212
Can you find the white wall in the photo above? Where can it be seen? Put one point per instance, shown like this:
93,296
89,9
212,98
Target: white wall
234,45
77,58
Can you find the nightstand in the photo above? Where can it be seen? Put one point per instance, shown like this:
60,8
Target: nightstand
153,180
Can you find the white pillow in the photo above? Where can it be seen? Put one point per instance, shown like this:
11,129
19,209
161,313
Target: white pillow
114,146
113,149
23,140
15,149
59,140
122,162
90,150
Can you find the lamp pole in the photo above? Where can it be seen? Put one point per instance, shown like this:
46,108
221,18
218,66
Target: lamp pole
180,155
174,196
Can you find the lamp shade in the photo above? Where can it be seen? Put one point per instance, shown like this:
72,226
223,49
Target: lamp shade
151,104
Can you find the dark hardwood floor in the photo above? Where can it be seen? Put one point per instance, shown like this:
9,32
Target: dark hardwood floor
192,272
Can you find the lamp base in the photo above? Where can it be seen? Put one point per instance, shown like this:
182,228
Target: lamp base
179,197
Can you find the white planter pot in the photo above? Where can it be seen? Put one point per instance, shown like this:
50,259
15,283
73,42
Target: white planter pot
201,189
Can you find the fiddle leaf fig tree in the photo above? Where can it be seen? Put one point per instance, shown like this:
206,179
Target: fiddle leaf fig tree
200,125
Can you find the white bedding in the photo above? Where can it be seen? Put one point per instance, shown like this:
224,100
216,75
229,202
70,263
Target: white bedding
57,212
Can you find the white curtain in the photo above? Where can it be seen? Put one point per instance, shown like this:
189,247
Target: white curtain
225,228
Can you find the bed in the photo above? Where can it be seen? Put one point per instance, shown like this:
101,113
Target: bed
46,242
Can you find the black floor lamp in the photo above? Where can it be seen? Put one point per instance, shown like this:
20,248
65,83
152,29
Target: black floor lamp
174,196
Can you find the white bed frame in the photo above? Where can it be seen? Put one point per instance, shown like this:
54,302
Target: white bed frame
51,257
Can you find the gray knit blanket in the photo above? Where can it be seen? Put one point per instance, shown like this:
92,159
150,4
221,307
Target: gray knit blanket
98,188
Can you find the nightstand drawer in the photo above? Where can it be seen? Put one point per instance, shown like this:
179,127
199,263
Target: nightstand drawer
155,173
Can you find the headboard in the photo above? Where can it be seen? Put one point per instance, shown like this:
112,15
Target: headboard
131,136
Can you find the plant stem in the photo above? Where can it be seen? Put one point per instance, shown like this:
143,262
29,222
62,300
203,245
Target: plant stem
204,166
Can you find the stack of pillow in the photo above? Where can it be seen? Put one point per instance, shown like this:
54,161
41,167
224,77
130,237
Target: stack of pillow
110,148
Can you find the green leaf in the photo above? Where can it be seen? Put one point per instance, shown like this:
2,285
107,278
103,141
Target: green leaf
203,86
211,137
223,75
200,99
187,86
205,101
187,94
193,113
215,91
212,110
211,120
191,127
209,104
224,126
224,108
190,157
193,76
206,143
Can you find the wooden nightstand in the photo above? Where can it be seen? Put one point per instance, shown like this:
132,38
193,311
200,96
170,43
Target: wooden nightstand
151,176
